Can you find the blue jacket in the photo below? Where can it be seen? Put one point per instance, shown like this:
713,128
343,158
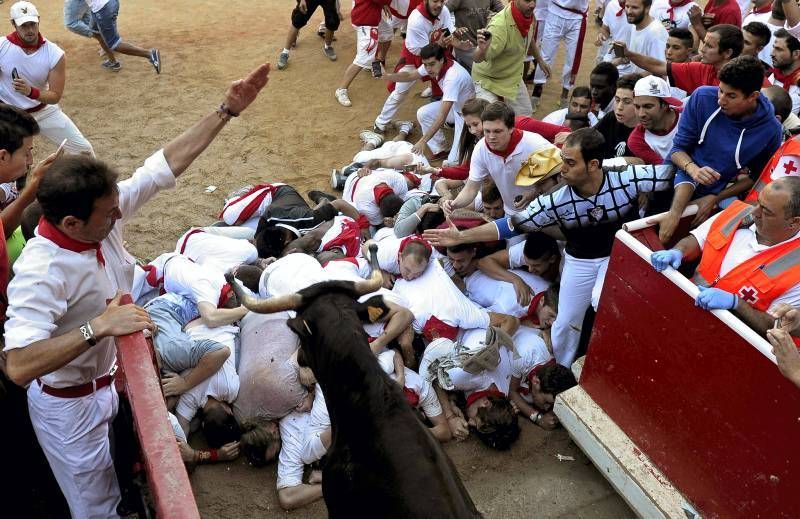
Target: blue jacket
727,145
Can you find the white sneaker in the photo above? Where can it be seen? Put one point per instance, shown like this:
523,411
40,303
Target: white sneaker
342,97
427,92
405,127
371,138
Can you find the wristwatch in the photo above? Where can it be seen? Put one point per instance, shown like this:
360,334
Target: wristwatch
88,333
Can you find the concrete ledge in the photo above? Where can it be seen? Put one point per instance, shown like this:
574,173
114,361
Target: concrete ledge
640,483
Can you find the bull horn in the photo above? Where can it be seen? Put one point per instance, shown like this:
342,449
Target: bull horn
376,279
269,305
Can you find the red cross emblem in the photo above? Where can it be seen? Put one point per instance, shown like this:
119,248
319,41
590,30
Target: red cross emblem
789,168
748,294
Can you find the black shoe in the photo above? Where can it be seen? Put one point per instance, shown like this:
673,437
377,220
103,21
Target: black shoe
351,168
337,180
317,196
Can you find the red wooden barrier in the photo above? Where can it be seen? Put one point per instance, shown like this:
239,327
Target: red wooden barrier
709,409
166,475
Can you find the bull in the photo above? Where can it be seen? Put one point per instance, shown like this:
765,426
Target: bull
382,460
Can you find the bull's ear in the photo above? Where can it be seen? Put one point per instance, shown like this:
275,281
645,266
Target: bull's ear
372,310
299,326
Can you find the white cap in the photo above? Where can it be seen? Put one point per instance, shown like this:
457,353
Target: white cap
24,12
655,86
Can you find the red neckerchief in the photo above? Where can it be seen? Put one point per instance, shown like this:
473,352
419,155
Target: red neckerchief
381,191
248,211
480,394
787,80
622,8
523,22
224,294
411,177
423,9
15,39
435,328
766,8
55,235
152,276
534,373
516,136
186,239
675,5
531,316
448,62
411,397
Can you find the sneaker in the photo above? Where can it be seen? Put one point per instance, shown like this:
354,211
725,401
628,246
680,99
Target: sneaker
351,168
535,102
377,129
283,60
405,127
329,53
371,138
321,30
155,60
342,97
337,179
427,92
113,66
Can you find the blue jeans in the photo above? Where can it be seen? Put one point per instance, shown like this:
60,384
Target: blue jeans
178,351
77,17
105,22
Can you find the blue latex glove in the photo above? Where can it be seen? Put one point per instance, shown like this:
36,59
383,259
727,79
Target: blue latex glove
662,259
716,299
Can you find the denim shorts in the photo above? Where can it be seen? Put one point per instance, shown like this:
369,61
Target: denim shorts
105,22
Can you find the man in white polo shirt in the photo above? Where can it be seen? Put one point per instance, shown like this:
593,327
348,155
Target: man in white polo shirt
59,336
40,70
499,155
457,88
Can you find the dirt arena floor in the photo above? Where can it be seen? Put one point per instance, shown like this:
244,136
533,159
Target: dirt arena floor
295,132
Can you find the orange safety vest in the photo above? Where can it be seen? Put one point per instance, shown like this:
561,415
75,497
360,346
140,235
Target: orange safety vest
759,280
789,169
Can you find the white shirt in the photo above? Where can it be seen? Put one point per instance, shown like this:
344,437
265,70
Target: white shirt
56,290
359,191
618,27
249,207
34,68
500,376
794,92
96,5
419,29
216,251
222,385
290,460
559,117
745,246
457,85
485,163
289,274
680,15
499,296
434,294
531,351
318,422
193,281
650,41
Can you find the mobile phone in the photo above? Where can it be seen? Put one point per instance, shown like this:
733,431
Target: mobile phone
376,69
619,51
446,32
14,73
487,35
778,323
61,147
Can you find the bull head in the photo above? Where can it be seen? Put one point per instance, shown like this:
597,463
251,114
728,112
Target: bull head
294,301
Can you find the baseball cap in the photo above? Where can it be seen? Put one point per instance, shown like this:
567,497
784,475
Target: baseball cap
541,164
655,86
24,12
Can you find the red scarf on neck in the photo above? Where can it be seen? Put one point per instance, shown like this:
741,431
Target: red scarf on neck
57,236
16,40
675,5
523,23
471,399
423,9
534,373
787,80
516,136
622,8
766,8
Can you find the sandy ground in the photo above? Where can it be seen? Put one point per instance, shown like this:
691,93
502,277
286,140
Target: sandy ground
295,133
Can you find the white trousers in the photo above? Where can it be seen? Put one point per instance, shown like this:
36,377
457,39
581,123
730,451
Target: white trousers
56,126
73,433
395,99
581,284
426,115
521,104
555,30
